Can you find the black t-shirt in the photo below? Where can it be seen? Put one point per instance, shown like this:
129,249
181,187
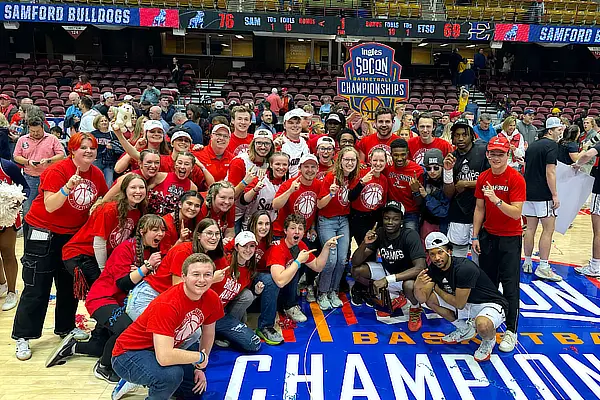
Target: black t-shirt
596,173
102,109
465,274
468,166
564,151
539,154
398,254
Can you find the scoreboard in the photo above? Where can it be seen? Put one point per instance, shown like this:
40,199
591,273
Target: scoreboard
410,28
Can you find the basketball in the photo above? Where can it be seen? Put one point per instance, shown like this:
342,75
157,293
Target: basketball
305,204
191,323
119,234
372,196
83,195
343,195
368,106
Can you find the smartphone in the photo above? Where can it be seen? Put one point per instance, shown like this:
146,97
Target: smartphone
36,162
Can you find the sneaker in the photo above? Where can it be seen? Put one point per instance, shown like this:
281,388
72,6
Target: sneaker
23,352
527,267
414,319
122,389
547,274
270,335
63,350
334,300
10,302
296,314
3,289
588,270
79,334
484,351
224,343
105,373
508,342
460,334
310,294
358,295
323,301
397,304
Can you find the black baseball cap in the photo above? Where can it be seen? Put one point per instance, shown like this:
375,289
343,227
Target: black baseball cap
461,123
394,205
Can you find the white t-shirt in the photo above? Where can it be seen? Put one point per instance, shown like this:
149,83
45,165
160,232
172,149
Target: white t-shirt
295,150
86,124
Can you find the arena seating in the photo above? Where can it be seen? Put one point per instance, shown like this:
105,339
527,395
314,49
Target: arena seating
49,82
404,9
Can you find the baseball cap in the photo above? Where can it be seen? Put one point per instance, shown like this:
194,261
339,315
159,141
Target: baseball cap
151,124
220,126
394,205
553,122
263,133
308,157
295,113
435,239
461,123
498,143
4,96
219,105
233,102
180,134
529,111
555,110
333,117
107,95
455,114
433,156
245,237
325,140
284,89
128,97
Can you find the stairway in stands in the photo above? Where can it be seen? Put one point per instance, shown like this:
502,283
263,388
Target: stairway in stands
484,106
204,87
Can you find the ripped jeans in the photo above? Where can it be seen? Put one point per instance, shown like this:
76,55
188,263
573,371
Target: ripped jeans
231,327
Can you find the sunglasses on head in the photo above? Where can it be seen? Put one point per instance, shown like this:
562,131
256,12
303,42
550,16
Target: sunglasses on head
433,168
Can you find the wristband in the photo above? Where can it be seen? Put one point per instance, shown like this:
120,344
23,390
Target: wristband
298,263
244,182
448,176
331,194
390,279
141,272
416,194
498,203
62,190
202,358
474,238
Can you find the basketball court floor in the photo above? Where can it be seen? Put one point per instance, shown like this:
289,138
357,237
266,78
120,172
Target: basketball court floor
349,354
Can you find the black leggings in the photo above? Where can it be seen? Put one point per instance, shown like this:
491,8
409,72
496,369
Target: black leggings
111,321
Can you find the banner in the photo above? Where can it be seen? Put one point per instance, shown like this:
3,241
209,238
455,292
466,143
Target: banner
564,34
512,33
88,15
74,30
372,79
595,51
573,190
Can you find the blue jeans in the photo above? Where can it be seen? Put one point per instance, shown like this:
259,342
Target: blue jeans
34,183
139,298
329,278
238,333
108,170
142,368
411,220
271,295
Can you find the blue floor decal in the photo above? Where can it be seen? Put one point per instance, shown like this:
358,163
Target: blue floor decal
555,358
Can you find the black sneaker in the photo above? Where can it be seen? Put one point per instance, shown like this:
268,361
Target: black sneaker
358,294
63,350
105,373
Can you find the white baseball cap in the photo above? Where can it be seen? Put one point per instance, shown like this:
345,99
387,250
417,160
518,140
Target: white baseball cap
263,133
128,97
435,239
220,126
107,95
325,140
151,124
245,237
553,122
308,157
295,113
179,135
334,117
219,105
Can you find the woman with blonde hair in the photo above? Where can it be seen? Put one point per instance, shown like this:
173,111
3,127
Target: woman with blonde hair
447,132
516,154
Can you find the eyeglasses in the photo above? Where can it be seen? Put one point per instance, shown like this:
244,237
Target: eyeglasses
349,160
326,148
221,135
263,144
433,168
212,234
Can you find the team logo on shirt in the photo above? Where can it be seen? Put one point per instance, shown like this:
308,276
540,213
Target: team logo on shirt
342,195
259,254
83,195
242,148
399,180
190,324
25,145
446,286
419,156
119,234
230,290
320,175
305,204
466,174
372,196
385,147
390,254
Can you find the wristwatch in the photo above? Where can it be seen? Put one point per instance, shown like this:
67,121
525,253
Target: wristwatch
498,203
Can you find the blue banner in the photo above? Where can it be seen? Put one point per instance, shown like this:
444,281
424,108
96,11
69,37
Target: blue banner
68,14
564,34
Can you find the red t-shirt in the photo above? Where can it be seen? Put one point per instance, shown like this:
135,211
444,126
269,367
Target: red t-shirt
261,250
161,279
224,220
218,167
164,197
230,287
103,222
280,254
237,170
75,210
510,187
104,290
373,195
171,234
417,149
323,170
238,145
339,204
303,201
370,142
167,164
399,184
171,314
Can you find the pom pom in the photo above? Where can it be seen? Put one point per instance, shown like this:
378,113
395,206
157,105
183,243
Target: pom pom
11,198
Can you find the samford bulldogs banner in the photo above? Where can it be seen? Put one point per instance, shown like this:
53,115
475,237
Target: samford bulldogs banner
372,79
89,15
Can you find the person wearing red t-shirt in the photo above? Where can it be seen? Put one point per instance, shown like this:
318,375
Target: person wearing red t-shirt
299,196
403,174
240,139
325,151
67,191
147,353
149,167
384,119
235,296
167,187
417,146
182,222
215,157
106,297
110,224
83,87
334,208
284,259
368,195
219,204
497,230
260,225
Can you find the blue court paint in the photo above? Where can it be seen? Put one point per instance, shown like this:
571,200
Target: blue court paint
564,318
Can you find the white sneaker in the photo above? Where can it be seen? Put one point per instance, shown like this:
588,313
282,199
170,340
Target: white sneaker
460,334
296,314
527,267
547,274
3,289
323,302
334,300
10,302
509,342
122,389
80,335
484,351
588,270
23,351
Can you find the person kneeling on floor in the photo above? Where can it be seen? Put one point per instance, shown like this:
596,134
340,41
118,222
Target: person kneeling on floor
460,292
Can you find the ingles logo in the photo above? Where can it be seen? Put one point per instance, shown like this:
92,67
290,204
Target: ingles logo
372,79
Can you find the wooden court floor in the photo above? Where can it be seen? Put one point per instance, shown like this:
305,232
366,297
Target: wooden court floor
31,380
